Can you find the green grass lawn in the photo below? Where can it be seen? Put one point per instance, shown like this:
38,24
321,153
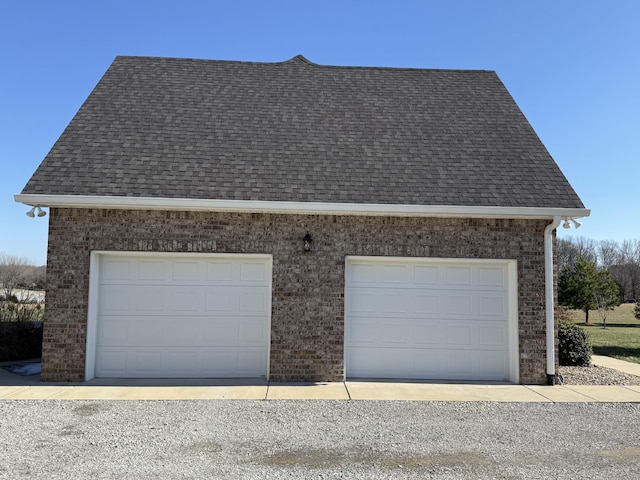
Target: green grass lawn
621,338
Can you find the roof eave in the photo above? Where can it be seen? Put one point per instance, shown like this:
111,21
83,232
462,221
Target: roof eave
315,208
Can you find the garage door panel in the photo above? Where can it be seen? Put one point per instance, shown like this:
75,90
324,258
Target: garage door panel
426,318
428,333
253,300
420,304
114,299
492,306
426,304
218,300
186,271
184,331
145,363
459,335
253,272
143,331
490,362
171,316
185,300
196,331
437,364
149,270
459,276
381,331
361,331
460,363
115,270
493,335
148,299
113,362
458,305
395,302
364,363
362,275
395,275
221,271
361,301
432,362
390,333
113,331
251,331
491,277
181,362
241,331
426,275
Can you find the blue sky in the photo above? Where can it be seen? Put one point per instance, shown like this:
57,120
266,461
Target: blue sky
572,66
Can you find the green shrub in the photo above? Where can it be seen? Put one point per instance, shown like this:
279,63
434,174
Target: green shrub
636,311
574,345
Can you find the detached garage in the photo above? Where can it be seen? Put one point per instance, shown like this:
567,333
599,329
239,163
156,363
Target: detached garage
300,222
419,318
179,315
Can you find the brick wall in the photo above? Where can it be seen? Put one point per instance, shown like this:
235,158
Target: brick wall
308,287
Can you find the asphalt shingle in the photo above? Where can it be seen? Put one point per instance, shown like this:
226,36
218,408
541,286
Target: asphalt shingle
297,131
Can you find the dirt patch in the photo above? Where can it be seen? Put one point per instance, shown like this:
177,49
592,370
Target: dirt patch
89,409
316,459
206,447
621,456
70,431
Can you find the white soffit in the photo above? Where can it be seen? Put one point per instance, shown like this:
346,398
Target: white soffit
317,208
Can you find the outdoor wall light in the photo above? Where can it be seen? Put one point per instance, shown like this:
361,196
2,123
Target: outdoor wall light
566,223
32,213
307,242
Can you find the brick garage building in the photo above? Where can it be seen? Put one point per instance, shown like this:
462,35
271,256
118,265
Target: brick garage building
182,192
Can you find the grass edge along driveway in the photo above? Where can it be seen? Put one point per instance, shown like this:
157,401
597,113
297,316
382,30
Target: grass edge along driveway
621,338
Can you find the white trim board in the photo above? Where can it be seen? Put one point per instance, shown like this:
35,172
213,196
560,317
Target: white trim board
316,208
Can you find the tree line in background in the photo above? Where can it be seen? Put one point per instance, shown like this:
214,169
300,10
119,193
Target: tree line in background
598,275
21,309
18,273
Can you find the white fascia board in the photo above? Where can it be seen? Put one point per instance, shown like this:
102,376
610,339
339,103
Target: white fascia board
313,208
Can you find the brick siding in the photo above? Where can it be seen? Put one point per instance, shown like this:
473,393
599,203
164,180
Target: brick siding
307,324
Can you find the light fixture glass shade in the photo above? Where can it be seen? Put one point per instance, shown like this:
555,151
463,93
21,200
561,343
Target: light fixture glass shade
307,242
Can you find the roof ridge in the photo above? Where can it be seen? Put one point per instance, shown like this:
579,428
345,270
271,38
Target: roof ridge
305,60
302,58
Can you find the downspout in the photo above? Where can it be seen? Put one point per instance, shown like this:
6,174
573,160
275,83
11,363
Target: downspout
549,298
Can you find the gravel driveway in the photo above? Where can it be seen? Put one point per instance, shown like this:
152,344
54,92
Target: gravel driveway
307,439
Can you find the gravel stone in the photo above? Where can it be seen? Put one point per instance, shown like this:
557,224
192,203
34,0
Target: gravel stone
595,375
232,439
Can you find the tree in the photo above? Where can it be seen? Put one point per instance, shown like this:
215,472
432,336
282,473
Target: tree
606,294
570,250
636,312
14,271
608,253
582,286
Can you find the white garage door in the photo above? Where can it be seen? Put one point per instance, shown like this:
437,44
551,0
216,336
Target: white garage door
180,315
430,319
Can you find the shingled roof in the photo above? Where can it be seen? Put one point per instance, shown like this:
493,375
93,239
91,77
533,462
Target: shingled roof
300,132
